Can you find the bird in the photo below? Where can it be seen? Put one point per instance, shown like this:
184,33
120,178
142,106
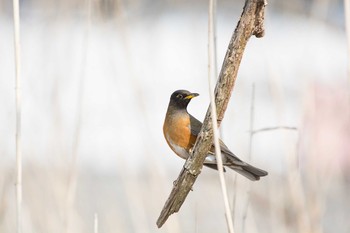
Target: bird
181,129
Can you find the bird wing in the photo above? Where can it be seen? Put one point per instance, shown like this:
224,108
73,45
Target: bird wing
229,158
196,126
232,158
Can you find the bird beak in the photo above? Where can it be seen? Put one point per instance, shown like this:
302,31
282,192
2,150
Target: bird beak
190,96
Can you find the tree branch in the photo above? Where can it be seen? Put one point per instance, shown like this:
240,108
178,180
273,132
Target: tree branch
250,23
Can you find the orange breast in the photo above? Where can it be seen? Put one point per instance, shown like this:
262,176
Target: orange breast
177,131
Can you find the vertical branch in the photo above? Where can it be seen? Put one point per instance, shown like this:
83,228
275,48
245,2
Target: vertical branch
16,20
211,76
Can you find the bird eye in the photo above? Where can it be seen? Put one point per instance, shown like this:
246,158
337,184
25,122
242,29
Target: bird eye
179,96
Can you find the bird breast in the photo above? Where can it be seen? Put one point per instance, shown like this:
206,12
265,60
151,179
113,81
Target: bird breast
177,132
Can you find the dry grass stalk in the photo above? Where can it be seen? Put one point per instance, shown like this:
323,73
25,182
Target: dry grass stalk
251,23
211,76
16,20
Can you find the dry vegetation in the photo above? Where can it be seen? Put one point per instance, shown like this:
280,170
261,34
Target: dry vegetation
77,163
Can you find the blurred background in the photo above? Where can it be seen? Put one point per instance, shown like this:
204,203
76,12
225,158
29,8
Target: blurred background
96,81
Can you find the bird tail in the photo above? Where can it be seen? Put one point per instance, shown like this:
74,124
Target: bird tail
249,171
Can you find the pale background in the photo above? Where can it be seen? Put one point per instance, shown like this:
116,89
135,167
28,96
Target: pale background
95,88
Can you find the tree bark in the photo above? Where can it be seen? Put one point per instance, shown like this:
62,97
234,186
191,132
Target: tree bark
250,23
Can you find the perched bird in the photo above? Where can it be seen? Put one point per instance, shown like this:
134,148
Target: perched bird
181,130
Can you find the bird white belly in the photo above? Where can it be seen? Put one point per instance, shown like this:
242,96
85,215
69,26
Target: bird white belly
180,151
177,149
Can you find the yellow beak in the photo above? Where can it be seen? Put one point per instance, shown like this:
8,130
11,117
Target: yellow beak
190,96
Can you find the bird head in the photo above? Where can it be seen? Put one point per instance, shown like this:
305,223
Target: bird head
180,98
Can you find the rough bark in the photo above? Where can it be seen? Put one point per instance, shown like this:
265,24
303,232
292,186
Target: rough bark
250,23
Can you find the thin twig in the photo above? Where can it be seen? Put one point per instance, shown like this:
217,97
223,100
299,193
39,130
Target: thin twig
272,128
211,76
16,20
251,23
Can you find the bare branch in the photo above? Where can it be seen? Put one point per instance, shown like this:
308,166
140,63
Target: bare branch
250,23
273,128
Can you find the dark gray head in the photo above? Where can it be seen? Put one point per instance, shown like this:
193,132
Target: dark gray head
180,99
